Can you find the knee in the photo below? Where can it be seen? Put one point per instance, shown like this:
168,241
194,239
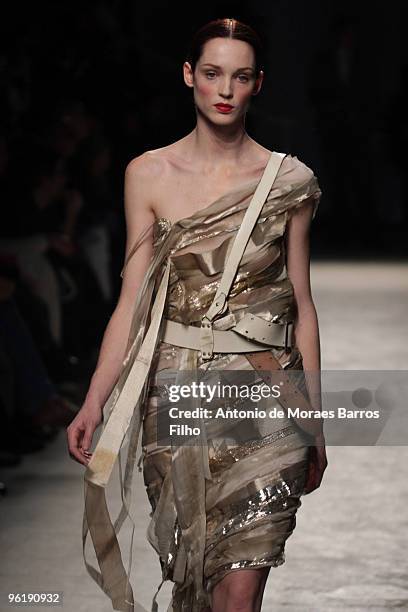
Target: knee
239,592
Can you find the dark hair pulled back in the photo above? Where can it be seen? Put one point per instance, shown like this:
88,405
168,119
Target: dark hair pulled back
225,28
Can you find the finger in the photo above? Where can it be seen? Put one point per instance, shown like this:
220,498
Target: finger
74,441
87,441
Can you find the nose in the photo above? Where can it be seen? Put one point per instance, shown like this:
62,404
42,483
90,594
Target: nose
226,88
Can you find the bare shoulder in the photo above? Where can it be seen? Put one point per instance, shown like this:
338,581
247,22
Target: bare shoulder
151,167
145,167
142,174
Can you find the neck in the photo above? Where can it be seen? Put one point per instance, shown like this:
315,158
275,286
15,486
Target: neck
218,146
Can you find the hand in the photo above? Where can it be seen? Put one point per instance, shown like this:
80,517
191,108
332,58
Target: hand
80,433
317,465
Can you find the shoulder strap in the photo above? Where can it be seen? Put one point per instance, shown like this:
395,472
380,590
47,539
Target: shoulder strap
219,303
241,240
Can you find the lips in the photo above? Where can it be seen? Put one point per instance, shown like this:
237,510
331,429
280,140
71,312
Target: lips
224,107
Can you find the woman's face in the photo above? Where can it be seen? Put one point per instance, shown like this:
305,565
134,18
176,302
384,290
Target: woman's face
224,74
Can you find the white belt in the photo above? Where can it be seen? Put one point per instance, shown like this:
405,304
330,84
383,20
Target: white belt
251,334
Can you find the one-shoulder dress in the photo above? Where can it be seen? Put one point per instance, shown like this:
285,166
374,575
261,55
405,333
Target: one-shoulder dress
226,507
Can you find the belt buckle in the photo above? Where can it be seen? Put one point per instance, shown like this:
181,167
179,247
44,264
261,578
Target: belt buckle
206,338
287,336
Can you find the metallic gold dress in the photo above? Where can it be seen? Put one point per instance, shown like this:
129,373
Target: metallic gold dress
215,508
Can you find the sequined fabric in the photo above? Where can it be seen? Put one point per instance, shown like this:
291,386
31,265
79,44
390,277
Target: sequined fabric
251,499
240,509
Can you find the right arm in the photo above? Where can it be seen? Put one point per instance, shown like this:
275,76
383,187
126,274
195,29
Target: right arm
139,215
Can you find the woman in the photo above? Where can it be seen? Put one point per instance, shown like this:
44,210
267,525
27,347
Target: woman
191,197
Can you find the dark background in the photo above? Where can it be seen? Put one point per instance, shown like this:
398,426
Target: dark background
335,94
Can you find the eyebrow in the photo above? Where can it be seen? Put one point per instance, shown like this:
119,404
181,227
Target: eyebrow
215,66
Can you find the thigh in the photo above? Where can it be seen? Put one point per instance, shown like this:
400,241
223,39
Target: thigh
156,459
252,503
239,586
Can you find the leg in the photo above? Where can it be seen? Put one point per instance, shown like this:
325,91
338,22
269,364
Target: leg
240,591
265,573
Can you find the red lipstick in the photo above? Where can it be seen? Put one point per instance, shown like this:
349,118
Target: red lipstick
224,108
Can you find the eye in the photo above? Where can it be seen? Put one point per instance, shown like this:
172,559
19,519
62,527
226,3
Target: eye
245,77
210,72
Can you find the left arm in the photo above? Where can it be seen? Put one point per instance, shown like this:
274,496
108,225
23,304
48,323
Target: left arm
306,329
306,326
298,267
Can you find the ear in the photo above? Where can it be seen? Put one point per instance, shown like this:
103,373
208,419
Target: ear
188,74
258,83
